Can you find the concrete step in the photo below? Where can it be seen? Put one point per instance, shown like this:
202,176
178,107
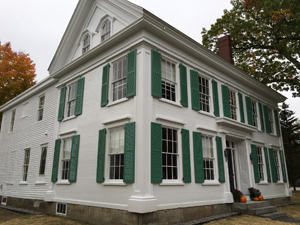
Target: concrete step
260,211
242,207
273,215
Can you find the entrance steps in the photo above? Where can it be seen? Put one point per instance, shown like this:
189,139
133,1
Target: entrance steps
258,208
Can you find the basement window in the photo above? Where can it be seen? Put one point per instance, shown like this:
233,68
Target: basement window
61,209
4,200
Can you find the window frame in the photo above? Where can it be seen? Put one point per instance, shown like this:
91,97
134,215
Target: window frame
271,121
3,200
176,76
235,107
277,164
45,163
41,108
254,112
61,176
261,163
25,109
67,106
209,96
86,48
12,120
112,81
26,164
102,34
214,151
58,207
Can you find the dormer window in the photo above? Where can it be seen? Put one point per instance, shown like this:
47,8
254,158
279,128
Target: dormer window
105,34
86,44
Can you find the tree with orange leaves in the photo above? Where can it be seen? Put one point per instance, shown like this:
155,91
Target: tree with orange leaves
17,73
265,38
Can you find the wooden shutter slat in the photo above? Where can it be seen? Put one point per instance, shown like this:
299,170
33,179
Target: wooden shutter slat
131,74
62,99
277,122
183,85
198,157
249,110
266,117
267,164
226,105
241,103
283,166
129,153
156,74
101,156
273,168
74,158
195,95
216,98
79,97
156,153
55,160
220,160
186,160
105,82
255,163
262,122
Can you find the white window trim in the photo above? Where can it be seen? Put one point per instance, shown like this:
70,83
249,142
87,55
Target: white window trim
12,128
271,119
277,152
24,115
211,110
265,180
237,109
101,23
257,113
215,181
59,174
24,154
2,200
58,213
66,117
40,158
85,34
39,98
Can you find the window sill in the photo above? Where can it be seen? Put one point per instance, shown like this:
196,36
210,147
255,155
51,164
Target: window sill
114,183
63,182
211,183
274,135
172,183
207,114
170,102
263,183
69,118
118,101
9,183
40,183
23,183
279,183
23,117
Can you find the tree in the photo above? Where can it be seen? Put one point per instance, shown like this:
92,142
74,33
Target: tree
290,128
265,38
17,73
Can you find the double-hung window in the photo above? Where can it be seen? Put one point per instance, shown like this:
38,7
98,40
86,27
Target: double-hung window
26,163
208,157
71,99
204,94
119,79
41,108
65,158
277,164
105,34
271,121
116,153
86,43
12,120
168,80
43,160
169,154
260,162
254,113
232,104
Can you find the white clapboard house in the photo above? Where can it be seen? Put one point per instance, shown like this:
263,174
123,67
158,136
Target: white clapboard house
138,122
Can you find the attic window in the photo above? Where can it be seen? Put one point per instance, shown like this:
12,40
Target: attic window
105,32
86,44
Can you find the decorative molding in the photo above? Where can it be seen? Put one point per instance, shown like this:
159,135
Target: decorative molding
68,132
125,118
234,124
170,120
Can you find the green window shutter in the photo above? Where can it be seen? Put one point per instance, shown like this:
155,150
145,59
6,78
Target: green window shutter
249,110
195,95
186,160
220,160
156,153
156,73
277,122
266,117
261,115
215,98
283,166
79,97
62,100
255,163
55,160
105,82
183,85
198,157
129,153
226,105
267,164
273,168
101,156
74,158
241,107
131,74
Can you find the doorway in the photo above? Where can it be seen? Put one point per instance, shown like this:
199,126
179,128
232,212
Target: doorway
231,152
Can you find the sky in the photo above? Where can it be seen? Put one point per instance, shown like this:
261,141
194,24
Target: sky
37,26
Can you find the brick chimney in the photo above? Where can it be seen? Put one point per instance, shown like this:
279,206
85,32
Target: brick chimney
225,48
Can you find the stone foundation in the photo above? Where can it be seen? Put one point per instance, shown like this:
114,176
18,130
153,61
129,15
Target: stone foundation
97,215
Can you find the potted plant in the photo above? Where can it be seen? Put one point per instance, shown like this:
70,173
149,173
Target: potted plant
254,193
236,195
